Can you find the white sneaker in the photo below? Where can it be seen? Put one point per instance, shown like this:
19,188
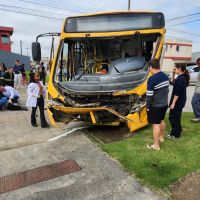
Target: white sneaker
170,137
195,119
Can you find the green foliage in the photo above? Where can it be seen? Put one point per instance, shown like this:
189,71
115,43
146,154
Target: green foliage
159,169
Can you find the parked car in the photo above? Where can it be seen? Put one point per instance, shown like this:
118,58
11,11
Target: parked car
193,71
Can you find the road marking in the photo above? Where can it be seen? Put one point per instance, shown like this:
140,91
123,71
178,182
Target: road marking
64,134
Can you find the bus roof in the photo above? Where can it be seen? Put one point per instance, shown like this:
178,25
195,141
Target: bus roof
114,21
114,12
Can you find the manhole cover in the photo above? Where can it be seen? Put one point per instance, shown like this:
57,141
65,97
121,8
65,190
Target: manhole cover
29,177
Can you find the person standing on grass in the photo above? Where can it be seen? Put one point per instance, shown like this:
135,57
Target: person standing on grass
178,100
157,102
196,97
36,93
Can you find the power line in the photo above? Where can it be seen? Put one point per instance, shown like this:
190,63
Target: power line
56,3
47,5
183,16
37,15
103,6
186,22
3,5
58,7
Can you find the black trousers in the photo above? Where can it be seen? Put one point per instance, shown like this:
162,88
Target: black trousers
40,104
43,78
175,121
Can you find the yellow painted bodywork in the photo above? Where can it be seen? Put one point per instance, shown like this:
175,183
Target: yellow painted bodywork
93,117
134,121
51,119
139,120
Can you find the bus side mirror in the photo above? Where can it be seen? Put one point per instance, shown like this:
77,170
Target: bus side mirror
36,51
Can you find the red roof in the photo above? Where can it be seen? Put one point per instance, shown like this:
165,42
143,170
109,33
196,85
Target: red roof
7,29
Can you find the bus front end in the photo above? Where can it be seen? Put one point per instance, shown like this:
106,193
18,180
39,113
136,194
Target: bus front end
100,72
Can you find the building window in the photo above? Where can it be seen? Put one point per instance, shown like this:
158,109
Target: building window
177,48
5,39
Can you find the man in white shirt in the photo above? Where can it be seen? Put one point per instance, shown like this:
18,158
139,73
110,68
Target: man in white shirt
10,93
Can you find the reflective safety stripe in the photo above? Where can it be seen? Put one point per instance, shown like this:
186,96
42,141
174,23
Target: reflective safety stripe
161,84
149,93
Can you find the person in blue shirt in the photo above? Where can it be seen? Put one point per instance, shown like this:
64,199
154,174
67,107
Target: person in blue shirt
157,102
178,99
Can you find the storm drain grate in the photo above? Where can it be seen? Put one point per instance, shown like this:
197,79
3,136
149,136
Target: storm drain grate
37,175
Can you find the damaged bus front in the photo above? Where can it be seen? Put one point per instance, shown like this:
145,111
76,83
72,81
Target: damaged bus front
100,71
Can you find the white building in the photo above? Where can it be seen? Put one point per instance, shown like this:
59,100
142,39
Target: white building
176,51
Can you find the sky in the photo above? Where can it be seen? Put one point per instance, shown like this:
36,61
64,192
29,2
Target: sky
21,15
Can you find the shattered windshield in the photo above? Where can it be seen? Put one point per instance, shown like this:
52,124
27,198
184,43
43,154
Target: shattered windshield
80,57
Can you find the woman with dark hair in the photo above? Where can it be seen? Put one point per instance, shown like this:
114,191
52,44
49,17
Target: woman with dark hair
35,99
178,99
9,77
4,67
42,72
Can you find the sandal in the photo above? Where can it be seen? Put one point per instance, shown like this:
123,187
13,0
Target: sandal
161,139
153,147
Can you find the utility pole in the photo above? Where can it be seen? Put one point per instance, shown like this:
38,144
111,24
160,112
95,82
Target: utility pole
21,47
27,50
129,4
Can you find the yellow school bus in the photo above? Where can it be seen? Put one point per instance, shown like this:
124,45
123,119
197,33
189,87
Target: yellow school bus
99,73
